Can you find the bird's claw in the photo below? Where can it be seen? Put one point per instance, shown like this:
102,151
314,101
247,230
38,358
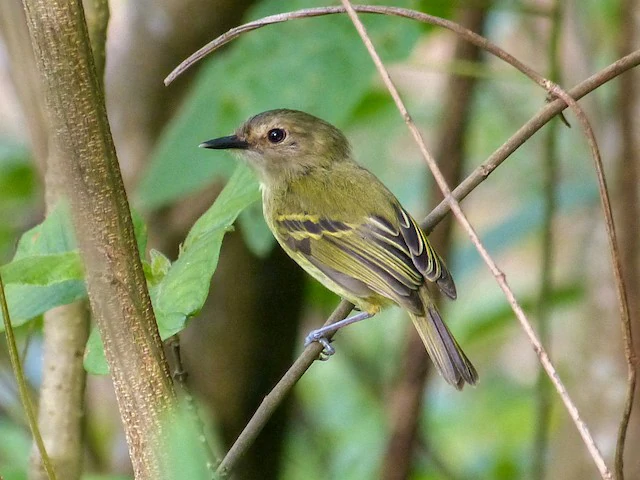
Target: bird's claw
327,350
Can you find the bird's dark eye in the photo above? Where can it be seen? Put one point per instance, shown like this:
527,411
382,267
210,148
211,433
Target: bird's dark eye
276,135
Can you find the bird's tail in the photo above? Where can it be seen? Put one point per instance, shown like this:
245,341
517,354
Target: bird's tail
443,349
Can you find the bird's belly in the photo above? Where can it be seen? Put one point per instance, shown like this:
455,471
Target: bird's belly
365,299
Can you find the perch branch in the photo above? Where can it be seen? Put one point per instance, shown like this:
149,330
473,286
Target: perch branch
551,109
457,211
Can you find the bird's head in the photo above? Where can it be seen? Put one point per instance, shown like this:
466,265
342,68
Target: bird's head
284,144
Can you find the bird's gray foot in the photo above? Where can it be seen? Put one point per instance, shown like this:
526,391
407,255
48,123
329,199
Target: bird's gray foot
319,336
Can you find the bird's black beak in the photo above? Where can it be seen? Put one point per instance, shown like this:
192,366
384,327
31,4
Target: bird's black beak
232,141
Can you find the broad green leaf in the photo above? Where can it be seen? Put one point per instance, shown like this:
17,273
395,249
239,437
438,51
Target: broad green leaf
44,270
28,301
54,235
318,65
47,270
185,458
184,289
179,290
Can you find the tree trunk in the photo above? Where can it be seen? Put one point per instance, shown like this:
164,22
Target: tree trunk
115,280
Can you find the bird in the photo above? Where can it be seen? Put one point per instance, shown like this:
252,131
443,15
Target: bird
346,229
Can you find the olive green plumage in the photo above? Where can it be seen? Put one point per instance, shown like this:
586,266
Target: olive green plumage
345,228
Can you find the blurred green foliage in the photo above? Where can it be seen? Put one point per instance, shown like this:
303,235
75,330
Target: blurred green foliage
19,194
340,426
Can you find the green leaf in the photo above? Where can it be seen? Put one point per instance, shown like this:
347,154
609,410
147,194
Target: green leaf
47,270
29,301
44,270
185,458
157,267
317,65
140,231
184,289
95,361
179,290
54,235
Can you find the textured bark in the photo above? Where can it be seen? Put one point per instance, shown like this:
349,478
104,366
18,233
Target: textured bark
24,75
244,339
406,399
115,280
66,328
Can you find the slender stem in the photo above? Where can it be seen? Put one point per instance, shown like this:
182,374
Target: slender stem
275,397
628,178
457,211
22,384
467,34
279,392
180,376
543,391
115,279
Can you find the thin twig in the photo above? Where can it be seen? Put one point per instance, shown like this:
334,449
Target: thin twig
457,211
22,385
465,33
549,162
406,404
180,376
629,165
525,132
483,171
277,395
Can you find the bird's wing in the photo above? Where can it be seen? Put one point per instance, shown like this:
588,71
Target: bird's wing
372,255
424,257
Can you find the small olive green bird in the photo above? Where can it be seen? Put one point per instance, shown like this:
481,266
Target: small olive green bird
346,229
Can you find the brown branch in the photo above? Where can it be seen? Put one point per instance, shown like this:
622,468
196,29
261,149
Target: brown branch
406,399
280,391
628,181
180,375
465,33
275,397
499,275
115,279
65,328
